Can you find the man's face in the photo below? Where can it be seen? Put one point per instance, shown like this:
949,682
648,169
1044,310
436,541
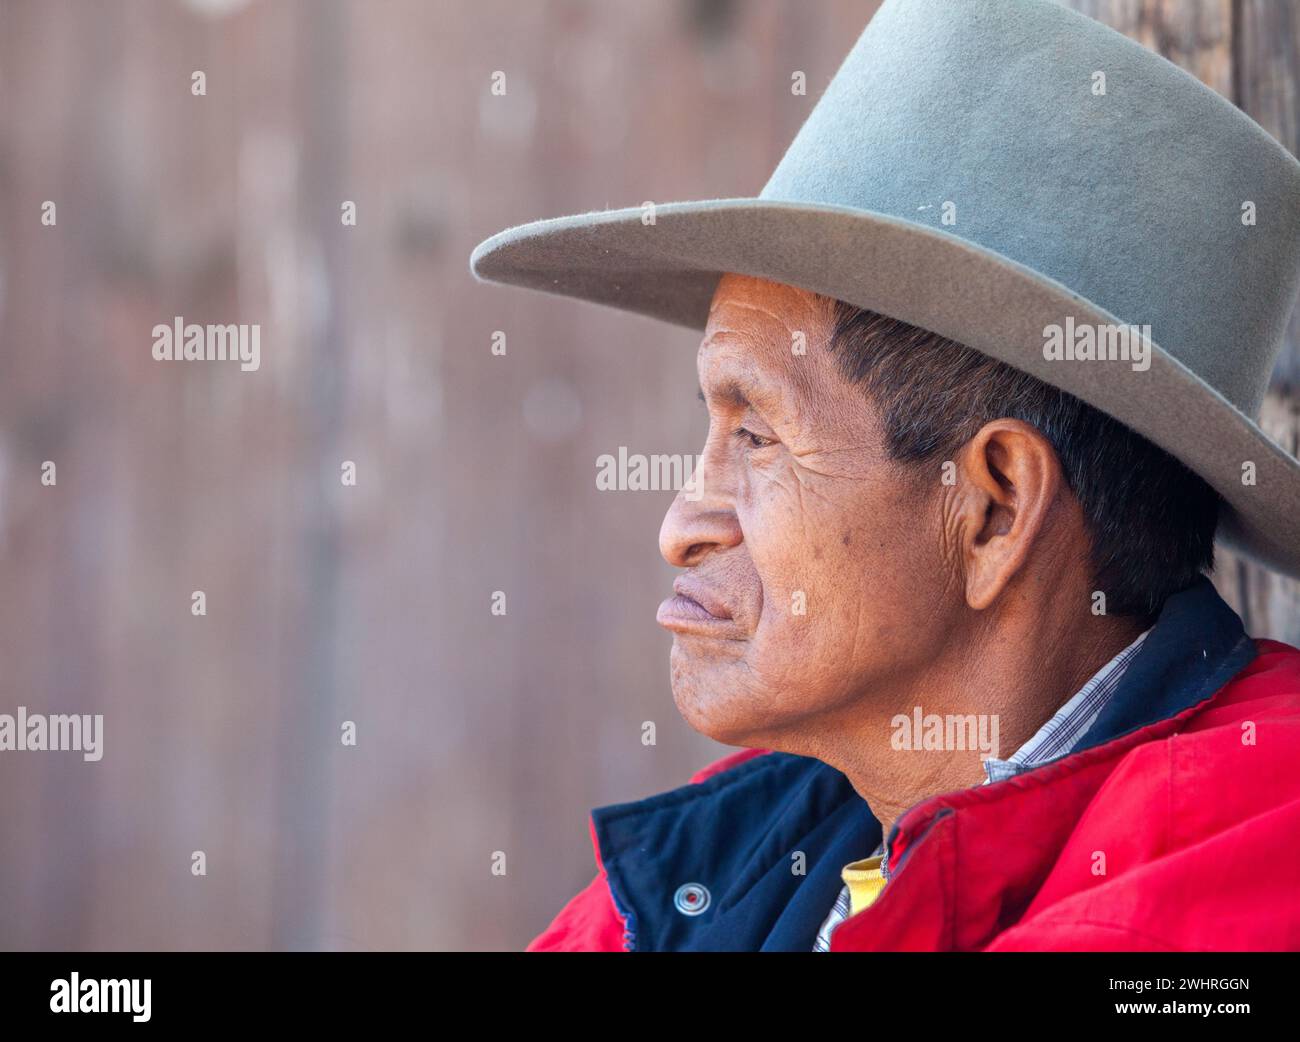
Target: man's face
812,562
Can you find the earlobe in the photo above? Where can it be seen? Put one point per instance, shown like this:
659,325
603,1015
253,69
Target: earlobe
985,559
967,521
1012,478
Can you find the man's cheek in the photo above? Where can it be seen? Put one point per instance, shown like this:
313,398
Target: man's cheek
788,634
787,604
774,502
791,581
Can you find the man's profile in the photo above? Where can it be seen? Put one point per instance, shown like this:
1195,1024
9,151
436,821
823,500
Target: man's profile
982,365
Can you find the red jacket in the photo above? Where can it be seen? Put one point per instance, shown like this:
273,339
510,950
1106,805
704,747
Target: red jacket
1183,834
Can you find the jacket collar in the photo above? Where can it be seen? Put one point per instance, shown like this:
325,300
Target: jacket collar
760,844
766,839
1197,645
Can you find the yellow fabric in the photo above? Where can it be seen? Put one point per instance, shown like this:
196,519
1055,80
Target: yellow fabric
864,881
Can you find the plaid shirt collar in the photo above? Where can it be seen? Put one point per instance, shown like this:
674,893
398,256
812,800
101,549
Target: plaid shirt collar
1070,723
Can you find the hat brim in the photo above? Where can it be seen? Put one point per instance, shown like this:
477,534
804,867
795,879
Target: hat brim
925,276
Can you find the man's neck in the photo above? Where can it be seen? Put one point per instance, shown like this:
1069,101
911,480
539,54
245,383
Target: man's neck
1004,685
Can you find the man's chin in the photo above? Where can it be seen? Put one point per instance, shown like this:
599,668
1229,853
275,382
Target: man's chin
702,714
709,702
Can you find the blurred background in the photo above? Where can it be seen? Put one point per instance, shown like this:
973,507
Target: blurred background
476,733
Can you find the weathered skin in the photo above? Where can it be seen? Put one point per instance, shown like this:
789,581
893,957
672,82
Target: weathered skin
970,597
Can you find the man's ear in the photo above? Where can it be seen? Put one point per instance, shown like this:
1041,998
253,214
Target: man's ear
1009,478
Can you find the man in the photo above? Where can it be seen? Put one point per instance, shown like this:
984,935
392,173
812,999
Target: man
964,474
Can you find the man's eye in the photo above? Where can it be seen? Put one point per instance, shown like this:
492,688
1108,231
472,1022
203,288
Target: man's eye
756,440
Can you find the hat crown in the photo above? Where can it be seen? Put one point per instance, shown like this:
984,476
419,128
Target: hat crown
1035,132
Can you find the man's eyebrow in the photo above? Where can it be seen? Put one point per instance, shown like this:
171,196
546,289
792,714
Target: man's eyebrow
733,394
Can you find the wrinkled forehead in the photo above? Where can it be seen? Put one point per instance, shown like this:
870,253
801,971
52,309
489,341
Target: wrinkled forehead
765,332
763,308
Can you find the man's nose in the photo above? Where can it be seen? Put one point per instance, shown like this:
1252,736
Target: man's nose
693,528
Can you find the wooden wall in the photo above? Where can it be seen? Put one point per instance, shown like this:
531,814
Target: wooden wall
476,733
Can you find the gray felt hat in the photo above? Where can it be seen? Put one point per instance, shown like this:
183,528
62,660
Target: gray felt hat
989,171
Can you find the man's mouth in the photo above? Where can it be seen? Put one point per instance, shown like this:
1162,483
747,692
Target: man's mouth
694,608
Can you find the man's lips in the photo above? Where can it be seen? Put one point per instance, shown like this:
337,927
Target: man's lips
701,596
695,609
